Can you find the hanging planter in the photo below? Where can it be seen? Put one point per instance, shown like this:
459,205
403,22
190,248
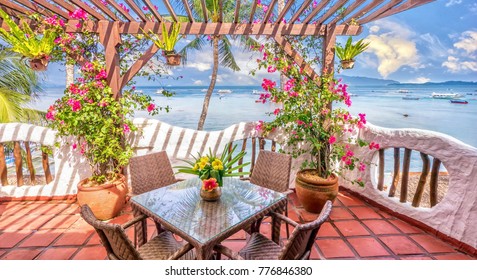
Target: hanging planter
39,64
173,59
347,64
167,42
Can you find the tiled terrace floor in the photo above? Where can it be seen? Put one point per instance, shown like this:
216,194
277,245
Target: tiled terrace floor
55,230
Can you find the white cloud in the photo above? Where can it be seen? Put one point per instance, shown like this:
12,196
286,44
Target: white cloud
455,65
200,66
434,45
468,42
420,80
394,47
197,82
453,2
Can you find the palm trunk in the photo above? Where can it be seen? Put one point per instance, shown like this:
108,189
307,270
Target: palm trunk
205,106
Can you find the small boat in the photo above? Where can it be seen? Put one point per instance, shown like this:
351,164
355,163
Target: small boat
203,90
404,91
258,92
459,101
410,98
445,95
224,91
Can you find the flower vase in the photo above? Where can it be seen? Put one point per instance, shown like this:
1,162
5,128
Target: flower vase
211,195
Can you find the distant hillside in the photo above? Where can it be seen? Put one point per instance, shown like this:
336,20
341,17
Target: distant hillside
365,81
448,83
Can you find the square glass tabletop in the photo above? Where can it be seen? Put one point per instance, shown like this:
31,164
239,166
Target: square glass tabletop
180,206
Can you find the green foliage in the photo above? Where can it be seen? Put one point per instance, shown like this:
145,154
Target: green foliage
168,40
350,50
27,42
214,166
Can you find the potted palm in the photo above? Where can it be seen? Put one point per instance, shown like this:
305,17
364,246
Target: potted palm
347,53
167,42
313,131
95,124
30,44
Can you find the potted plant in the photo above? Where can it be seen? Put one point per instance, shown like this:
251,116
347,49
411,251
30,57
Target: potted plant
347,53
313,131
212,168
96,124
167,42
30,44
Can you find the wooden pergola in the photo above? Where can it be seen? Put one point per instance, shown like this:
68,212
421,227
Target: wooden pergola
112,18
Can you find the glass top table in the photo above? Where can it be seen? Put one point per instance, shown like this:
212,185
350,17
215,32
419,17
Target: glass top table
180,209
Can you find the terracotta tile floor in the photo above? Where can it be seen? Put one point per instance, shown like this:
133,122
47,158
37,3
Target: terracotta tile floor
55,231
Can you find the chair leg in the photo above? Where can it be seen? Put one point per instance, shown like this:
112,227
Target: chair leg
286,214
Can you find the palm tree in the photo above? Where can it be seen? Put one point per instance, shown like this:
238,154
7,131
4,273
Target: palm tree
18,86
221,45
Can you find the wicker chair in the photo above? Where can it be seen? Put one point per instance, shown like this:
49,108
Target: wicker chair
119,246
272,171
298,246
151,171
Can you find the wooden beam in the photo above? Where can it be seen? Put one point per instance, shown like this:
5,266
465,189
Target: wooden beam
134,69
328,50
88,9
292,53
171,11
110,38
188,10
316,10
434,181
303,7
46,167
397,165
3,166
331,11
404,7
252,12
104,9
153,10
14,9
53,8
405,174
416,201
237,11
17,155
64,5
29,161
349,9
221,11
15,13
33,6
204,10
284,11
269,12
379,12
137,10
381,170
120,10
363,11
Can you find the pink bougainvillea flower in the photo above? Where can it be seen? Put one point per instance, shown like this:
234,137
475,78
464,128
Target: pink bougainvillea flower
289,85
102,75
126,128
271,69
276,111
259,126
373,145
209,184
74,146
293,94
50,115
349,153
151,107
300,122
361,167
74,104
78,14
332,139
103,104
268,84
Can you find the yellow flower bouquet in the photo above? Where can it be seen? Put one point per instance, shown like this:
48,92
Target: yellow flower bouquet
212,168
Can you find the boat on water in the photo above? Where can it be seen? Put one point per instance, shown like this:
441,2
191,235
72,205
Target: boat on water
258,92
404,91
459,101
445,95
410,98
203,90
224,91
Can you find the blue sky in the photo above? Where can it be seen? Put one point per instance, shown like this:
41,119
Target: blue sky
435,42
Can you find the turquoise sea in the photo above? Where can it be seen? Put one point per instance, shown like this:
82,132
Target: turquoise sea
383,106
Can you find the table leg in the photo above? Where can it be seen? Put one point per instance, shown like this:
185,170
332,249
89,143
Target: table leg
140,230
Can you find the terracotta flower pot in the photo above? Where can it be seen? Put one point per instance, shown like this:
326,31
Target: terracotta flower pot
313,191
173,59
212,195
347,64
105,200
39,64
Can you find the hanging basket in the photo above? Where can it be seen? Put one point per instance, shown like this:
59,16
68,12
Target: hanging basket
39,64
173,59
347,64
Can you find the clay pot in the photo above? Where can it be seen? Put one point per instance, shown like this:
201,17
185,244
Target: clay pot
347,64
313,191
212,195
39,64
105,200
173,59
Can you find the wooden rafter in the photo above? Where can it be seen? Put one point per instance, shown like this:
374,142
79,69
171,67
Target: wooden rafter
348,10
88,9
136,9
221,11
12,12
171,10
237,11
120,10
380,11
138,65
204,10
104,9
252,12
188,10
67,6
300,11
269,12
153,10
31,6
357,15
316,10
285,10
331,11
52,8
410,4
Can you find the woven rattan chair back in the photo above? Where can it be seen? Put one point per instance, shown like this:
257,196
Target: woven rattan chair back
303,236
151,171
113,237
272,171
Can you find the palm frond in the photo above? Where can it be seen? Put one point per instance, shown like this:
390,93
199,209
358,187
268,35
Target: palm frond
226,56
196,44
